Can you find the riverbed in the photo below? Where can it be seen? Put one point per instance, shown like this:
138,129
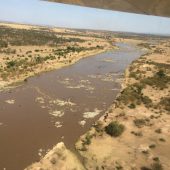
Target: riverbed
59,105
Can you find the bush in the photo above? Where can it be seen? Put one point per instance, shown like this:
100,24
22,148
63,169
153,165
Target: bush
4,76
140,122
144,45
114,129
38,60
162,140
145,168
133,95
98,126
87,140
133,75
154,166
156,159
53,161
158,131
132,106
8,51
36,50
137,133
3,44
147,101
157,166
152,146
160,80
165,103
161,74
11,64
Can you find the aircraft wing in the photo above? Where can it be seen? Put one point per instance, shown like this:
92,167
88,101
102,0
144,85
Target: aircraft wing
149,7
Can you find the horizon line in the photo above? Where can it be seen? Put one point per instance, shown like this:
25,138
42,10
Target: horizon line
73,28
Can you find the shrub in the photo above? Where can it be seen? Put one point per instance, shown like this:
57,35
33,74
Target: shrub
140,122
161,74
137,133
158,131
4,76
158,51
53,161
147,101
154,166
114,129
38,60
11,64
152,146
87,139
162,140
132,106
157,166
160,80
9,51
156,159
145,168
28,52
98,126
133,75
98,46
3,44
144,45
36,50
133,95
165,103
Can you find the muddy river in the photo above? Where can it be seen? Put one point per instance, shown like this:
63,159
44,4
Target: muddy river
58,106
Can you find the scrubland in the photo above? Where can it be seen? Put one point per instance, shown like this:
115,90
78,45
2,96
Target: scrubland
29,50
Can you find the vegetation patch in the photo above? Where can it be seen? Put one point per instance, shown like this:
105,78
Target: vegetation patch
165,103
86,141
137,133
145,45
157,166
160,66
159,51
154,166
132,96
159,80
158,131
141,122
152,146
24,37
3,44
114,129
98,126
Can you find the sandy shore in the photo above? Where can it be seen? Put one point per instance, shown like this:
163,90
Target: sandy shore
45,68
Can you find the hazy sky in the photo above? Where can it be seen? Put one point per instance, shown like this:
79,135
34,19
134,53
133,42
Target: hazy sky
60,15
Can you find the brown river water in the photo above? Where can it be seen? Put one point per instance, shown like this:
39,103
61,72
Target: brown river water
53,106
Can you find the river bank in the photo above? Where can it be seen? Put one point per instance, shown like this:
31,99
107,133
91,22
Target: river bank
15,81
22,57
134,132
